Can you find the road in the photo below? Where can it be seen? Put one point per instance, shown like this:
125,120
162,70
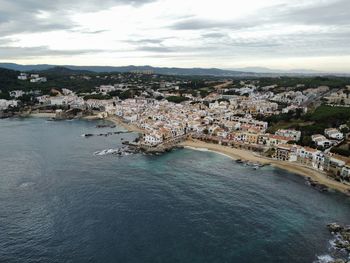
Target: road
223,85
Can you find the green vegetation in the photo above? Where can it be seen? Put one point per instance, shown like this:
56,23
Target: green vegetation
176,99
4,96
311,123
308,82
314,122
194,84
341,151
97,97
203,93
330,116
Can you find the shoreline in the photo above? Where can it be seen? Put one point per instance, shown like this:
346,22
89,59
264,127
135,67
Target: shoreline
232,153
295,168
42,115
130,127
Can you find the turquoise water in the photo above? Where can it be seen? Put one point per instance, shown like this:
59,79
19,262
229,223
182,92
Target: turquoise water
60,203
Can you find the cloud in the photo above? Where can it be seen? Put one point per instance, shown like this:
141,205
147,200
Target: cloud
84,31
6,41
313,12
44,15
201,23
29,52
214,35
157,49
196,31
331,12
144,41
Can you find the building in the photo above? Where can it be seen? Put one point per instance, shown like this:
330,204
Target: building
274,140
23,76
153,139
334,164
289,133
345,172
285,152
17,93
37,80
58,100
5,104
334,133
306,155
321,141
104,89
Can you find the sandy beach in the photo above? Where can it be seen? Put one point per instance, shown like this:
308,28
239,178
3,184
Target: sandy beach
42,115
130,127
254,157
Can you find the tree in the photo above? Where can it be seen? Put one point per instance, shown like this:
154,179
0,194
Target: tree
125,95
204,93
306,141
4,96
176,99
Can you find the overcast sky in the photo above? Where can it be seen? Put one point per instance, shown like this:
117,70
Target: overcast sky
280,34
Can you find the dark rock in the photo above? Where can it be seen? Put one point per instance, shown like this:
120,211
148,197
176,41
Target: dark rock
334,227
338,261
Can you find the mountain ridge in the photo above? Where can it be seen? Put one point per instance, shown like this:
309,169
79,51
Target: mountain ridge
241,72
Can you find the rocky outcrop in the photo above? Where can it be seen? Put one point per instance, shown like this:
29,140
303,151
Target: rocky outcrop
318,186
339,261
341,243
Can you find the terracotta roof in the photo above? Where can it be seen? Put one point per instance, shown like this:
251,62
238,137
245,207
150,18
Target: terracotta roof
277,137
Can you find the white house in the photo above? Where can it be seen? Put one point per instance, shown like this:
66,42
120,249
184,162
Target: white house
43,99
320,140
23,76
59,100
4,104
37,80
345,172
289,133
17,93
104,89
153,139
333,134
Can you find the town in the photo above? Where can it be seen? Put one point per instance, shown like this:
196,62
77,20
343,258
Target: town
259,115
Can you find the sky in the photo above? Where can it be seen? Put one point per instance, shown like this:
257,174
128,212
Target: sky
228,34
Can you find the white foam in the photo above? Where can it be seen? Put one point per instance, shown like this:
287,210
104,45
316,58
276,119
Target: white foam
25,185
324,259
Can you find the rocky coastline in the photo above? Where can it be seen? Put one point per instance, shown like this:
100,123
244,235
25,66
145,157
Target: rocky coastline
341,244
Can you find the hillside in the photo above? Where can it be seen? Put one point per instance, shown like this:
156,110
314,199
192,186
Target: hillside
157,70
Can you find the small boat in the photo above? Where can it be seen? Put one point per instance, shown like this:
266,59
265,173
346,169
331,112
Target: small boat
87,135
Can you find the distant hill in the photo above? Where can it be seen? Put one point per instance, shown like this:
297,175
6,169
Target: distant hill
63,71
100,69
268,70
8,77
18,67
242,72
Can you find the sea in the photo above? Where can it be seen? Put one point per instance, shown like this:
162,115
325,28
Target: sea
59,202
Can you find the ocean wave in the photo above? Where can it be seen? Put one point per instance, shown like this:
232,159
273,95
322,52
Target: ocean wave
324,259
119,152
26,185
